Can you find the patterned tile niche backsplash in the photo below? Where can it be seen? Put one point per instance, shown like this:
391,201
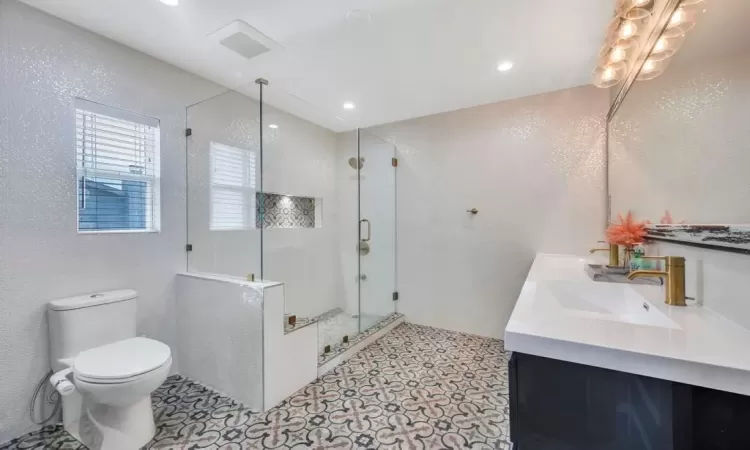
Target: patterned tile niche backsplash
285,211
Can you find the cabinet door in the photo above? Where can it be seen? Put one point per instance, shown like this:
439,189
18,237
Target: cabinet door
563,405
720,420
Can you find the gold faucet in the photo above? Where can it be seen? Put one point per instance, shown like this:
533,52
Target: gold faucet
674,278
614,253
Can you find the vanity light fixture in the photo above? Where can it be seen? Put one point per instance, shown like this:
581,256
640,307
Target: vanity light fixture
349,105
504,66
624,36
171,2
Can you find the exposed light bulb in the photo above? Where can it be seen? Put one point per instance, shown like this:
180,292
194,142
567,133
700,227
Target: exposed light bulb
652,69
677,18
609,75
661,44
617,54
348,105
627,29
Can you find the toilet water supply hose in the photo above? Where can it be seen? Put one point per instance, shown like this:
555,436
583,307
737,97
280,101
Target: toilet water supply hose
53,398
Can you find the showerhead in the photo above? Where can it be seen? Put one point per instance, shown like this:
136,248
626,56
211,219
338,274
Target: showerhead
356,163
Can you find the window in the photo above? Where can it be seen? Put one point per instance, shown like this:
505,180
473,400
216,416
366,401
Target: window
232,188
118,171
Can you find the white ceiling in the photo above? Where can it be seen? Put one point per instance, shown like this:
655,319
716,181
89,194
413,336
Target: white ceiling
413,58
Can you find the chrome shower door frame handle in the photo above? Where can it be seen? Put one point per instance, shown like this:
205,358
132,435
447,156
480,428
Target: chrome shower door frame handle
369,230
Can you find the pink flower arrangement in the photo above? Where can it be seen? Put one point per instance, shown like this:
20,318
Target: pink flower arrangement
628,232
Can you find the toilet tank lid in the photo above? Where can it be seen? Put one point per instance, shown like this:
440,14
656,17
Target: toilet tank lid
85,301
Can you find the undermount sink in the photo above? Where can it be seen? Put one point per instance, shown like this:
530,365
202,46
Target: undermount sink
609,274
613,302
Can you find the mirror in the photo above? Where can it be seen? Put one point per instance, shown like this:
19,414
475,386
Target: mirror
679,143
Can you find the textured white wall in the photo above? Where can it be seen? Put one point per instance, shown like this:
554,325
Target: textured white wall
533,167
682,142
298,159
44,64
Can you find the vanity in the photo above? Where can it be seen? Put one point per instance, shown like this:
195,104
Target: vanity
600,362
598,365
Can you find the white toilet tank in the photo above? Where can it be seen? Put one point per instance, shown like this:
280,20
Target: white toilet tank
87,321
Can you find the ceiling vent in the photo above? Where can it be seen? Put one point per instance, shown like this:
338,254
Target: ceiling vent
244,40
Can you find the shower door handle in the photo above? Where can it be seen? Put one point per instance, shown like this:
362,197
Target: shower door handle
369,229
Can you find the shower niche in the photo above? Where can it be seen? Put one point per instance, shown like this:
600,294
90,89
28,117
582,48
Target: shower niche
287,211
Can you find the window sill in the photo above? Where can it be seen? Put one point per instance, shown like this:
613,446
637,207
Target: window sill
118,231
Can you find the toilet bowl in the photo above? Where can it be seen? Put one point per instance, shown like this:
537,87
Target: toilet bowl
116,381
105,373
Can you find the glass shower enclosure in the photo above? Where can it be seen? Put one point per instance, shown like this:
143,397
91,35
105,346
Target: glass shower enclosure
272,196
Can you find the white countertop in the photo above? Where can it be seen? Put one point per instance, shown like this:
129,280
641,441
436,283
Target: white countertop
562,314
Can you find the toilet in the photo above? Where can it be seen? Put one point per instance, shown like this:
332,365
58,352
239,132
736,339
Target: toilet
105,372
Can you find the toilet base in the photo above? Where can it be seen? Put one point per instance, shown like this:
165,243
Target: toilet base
105,427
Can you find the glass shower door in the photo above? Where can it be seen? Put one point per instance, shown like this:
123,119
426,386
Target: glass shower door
377,229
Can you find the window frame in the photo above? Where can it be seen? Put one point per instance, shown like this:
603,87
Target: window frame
153,182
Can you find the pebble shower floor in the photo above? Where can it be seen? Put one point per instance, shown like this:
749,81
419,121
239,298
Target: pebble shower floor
415,388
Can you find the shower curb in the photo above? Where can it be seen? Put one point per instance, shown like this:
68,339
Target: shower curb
354,348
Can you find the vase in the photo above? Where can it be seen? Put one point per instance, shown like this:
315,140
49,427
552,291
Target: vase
627,254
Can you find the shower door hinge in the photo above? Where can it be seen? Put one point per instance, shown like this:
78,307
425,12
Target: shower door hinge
188,132
395,296
394,162
189,247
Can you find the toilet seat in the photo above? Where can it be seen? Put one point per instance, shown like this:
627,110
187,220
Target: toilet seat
121,361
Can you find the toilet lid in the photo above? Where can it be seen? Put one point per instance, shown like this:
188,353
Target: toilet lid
122,359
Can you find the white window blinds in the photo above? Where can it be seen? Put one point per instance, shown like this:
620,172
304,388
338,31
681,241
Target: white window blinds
233,179
118,171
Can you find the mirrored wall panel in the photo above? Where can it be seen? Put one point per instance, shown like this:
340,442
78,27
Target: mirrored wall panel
679,145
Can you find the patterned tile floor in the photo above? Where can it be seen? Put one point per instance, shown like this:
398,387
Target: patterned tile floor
415,388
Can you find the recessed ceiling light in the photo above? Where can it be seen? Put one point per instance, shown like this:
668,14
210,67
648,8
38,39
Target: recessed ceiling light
348,105
504,66
171,2
273,126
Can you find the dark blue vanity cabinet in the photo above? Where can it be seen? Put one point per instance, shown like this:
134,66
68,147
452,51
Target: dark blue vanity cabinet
566,406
